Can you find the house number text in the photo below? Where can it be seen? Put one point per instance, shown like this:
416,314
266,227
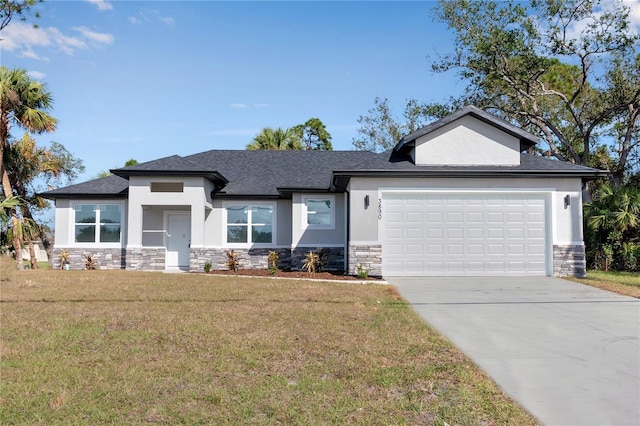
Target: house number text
379,208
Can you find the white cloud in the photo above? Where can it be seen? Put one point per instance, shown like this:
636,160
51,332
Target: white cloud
102,5
148,15
25,40
94,36
167,20
634,12
36,75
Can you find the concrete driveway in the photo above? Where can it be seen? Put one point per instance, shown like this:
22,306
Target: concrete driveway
570,354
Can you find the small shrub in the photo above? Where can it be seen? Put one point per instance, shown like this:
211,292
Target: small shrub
323,259
311,262
272,261
64,259
232,260
207,267
362,271
89,263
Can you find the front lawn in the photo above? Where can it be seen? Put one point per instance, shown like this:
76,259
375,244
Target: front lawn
627,283
91,347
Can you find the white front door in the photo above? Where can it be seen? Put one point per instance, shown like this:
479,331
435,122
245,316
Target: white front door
438,234
178,241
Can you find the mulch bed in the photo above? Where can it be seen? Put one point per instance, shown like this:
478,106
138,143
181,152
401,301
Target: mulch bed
327,275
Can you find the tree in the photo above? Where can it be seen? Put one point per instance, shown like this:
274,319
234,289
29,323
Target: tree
11,8
105,173
275,139
27,163
25,103
566,70
613,228
380,130
313,135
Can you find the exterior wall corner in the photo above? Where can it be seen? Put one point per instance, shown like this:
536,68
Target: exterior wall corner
569,261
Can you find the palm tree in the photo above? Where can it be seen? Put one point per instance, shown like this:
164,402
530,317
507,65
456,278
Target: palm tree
276,140
613,219
23,102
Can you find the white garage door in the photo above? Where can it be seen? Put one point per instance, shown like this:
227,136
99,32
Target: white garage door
439,234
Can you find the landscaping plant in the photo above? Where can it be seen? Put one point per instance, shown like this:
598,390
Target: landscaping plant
272,259
232,260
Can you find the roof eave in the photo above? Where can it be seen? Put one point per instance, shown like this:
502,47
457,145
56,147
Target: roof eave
212,176
520,173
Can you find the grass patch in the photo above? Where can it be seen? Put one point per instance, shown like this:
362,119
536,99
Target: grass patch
627,283
82,347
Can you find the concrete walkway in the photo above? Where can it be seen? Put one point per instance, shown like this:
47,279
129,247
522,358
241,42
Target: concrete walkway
569,353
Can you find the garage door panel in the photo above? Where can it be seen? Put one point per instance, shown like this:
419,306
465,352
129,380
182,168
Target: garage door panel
455,233
455,249
455,267
435,249
435,233
414,217
495,233
495,217
517,217
415,249
464,234
394,217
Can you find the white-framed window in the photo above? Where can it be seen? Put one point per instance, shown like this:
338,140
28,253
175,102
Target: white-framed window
97,223
249,224
319,212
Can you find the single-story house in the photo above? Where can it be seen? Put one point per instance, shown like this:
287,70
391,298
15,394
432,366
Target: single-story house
457,197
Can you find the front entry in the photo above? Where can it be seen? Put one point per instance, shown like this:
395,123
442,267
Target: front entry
178,241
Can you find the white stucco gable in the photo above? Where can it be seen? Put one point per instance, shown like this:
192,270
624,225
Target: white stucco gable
468,137
467,141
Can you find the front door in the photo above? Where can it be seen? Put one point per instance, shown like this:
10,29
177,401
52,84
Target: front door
178,241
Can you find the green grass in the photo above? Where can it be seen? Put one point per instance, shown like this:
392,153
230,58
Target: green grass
627,283
96,347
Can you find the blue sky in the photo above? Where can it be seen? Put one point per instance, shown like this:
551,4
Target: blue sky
148,79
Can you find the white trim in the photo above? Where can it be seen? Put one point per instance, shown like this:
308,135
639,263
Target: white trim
319,197
96,202
249,203
568,243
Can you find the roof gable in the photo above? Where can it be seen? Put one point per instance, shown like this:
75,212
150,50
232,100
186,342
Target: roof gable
469,136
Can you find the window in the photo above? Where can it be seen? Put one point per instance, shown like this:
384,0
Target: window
249,224
97,223
167,186
320,212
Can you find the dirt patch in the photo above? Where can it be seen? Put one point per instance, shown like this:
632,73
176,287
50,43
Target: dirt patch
327,275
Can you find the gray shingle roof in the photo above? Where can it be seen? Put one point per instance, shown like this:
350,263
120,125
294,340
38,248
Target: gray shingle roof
110,186
277,173
274,173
